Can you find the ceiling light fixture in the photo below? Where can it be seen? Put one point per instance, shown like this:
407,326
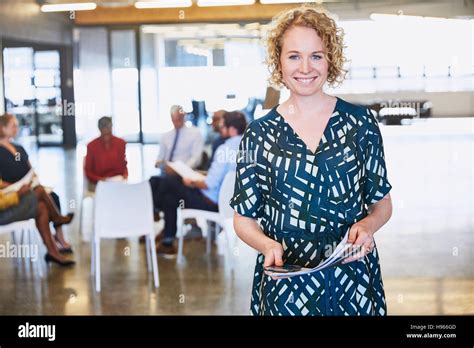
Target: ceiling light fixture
83,6
158,29
207,3
268,2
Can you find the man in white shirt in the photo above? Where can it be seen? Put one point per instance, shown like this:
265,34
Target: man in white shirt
182,143
202,195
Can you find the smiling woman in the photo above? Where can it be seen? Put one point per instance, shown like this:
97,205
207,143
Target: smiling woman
326,30
317,174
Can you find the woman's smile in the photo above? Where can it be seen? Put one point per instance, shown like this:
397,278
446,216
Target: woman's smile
305,81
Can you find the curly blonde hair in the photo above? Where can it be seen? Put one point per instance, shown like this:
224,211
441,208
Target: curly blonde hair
310,17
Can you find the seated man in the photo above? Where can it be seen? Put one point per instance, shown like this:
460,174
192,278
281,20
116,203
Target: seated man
200,194
214,133
105,155
217,125
182,143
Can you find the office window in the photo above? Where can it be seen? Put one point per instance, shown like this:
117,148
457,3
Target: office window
222,72
409,53
92,81
185,53
125,84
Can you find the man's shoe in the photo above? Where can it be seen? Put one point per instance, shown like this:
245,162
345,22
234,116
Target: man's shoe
167,251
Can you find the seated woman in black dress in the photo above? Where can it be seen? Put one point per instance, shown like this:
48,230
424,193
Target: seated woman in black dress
14,165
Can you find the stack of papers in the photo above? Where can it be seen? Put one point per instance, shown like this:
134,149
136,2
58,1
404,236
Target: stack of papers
185,171
342,251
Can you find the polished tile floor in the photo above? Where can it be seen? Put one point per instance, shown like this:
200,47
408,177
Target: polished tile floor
426,248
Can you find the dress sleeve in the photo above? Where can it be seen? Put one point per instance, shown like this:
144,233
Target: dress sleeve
376,184
248,200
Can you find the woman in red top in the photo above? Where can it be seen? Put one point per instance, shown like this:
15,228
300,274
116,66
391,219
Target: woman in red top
105,155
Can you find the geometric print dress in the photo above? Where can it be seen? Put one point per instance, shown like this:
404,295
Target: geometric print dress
307,202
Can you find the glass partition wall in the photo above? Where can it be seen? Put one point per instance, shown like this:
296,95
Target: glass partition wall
92,80
142,72
216,65
125,94
106,81
136,74
32,80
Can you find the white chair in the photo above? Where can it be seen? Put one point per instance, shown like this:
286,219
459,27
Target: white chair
123,210
85,194
28,229
203,217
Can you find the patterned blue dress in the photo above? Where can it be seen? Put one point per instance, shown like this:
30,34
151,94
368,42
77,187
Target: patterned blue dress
307,202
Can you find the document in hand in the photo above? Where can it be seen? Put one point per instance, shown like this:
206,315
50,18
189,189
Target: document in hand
185,171
342,251
29,178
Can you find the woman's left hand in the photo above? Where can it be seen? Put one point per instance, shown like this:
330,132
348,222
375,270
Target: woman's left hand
361,235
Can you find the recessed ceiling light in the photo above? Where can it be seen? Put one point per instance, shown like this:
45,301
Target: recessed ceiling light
206,3
83,6
268,2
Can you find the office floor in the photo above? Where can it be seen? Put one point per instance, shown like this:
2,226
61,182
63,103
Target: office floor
426,248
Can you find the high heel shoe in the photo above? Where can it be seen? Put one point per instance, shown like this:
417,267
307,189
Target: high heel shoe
66,263
62,250
66,221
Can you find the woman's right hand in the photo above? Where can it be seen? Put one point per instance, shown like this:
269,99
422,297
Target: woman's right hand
273,253
249,230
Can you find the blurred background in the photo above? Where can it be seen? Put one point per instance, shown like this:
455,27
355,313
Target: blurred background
66,65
